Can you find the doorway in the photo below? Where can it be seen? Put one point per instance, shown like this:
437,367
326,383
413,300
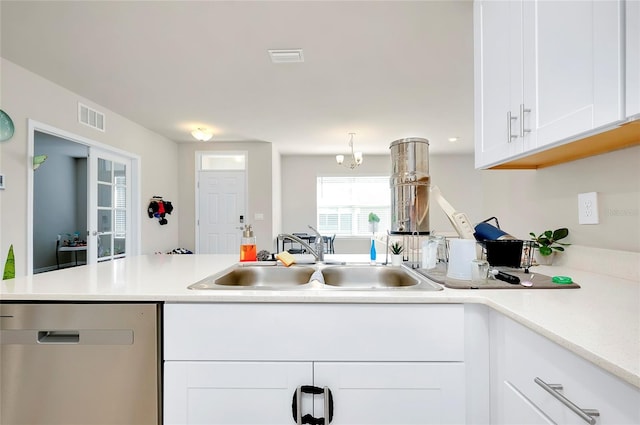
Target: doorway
80,201
221,201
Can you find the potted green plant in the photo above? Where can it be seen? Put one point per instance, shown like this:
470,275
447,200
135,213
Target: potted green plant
373,222
547,244
396,253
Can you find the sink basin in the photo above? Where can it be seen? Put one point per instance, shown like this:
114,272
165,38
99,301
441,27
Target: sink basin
277,277
373,277
257,277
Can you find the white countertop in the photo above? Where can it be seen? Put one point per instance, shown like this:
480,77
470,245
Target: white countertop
600,321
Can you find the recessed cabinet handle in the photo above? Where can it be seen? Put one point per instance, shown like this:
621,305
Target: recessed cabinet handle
588,415
509,119
522,129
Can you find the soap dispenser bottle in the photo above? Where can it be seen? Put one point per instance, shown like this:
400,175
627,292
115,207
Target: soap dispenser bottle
248,245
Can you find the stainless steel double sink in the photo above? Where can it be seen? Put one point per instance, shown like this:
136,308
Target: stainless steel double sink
317,276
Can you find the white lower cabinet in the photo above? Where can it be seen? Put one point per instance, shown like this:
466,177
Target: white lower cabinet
361,393
231,392
380,364
524,362
394,393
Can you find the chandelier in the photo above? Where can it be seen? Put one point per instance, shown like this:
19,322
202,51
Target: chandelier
356,157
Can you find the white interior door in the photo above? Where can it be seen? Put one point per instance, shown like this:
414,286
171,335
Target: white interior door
221,211
109,206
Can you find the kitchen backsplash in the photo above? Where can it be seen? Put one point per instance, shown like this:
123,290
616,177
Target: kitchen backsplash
622,264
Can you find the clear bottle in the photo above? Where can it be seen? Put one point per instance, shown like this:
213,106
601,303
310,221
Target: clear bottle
248,245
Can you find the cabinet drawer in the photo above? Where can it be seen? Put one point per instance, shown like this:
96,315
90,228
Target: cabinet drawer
314,332
528,355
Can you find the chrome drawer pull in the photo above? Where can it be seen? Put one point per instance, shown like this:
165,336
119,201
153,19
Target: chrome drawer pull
588,415
523,130
509,119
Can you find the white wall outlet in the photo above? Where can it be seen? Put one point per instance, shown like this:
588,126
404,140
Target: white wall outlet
258,216
588,208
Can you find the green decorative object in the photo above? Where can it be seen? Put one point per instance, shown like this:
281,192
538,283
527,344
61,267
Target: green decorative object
9,266
38,160
6,126
373,218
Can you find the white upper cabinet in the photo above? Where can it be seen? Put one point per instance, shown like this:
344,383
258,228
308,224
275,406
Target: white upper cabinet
573,52
546,71
633,58
498,79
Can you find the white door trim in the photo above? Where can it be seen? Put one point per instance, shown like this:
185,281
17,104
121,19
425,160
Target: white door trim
136,205
197,168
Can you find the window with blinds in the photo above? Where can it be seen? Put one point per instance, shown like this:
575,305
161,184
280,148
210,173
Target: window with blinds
344,204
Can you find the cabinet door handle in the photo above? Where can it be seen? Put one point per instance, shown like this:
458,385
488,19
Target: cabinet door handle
296,406
509,119
587,415
522,129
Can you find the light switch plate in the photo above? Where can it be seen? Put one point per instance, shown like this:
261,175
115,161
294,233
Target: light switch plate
588,208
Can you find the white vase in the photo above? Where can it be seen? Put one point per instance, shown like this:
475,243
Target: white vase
544,260
396,259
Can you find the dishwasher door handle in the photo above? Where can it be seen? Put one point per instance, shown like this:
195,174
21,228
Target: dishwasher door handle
66,336
58,337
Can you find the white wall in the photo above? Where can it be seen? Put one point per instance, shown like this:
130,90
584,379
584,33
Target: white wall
523,200
259,182
546,199
459,183
28,96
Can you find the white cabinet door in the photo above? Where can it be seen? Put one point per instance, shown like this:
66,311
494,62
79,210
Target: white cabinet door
225,393
498,79
633,57
546,72
394,393
572,54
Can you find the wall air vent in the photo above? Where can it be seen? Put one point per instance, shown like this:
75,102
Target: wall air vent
91,117
286,56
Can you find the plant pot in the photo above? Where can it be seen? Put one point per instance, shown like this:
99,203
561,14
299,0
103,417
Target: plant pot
396,259
544,260
373,226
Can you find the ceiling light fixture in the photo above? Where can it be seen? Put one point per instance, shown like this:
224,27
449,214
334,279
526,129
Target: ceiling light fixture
202,134
356,157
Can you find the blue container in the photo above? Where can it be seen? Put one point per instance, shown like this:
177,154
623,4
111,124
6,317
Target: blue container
487,232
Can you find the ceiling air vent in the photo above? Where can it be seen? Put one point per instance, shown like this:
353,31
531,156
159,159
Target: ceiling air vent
286,56
91,117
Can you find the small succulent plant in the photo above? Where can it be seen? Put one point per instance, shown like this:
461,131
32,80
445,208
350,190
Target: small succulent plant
396,248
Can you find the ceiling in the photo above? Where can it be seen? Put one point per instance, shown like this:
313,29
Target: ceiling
381,69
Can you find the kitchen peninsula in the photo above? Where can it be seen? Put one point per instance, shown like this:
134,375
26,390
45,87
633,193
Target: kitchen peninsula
599,323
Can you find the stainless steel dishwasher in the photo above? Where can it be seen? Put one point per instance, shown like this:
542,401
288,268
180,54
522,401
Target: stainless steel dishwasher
84,363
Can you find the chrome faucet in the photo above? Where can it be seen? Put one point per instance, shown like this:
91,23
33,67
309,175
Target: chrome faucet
319,243
317,252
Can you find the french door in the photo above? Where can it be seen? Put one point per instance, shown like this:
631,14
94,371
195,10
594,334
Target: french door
109,206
